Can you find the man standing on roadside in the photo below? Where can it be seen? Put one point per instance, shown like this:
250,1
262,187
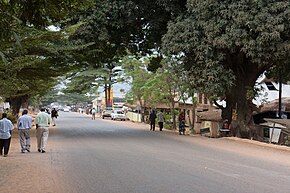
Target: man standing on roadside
42,122
54,116
93,114
152,118
24,124
5,134
161,120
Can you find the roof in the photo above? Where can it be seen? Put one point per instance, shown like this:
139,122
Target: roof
285,124
210,115
274,105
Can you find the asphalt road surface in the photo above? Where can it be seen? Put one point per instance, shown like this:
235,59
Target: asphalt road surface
105,156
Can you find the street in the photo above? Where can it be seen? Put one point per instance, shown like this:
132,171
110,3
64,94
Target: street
105,156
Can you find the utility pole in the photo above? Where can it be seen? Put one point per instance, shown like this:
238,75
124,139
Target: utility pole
280,95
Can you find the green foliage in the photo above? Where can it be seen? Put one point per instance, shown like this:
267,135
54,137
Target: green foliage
136,74
214,35
33,67
12,118
226,45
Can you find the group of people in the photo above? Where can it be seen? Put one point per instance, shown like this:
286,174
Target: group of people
161,120
24,124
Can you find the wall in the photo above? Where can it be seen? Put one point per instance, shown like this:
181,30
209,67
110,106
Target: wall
136,117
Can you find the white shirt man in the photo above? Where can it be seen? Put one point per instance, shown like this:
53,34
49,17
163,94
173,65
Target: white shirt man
42,122
93,114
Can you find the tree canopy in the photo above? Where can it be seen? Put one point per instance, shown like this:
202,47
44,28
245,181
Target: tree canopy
226,45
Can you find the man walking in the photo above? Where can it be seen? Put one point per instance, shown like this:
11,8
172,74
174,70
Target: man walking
152,118
54,116
42,122
5,134
24,124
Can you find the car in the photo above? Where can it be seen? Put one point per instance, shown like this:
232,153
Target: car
66,109
107,112
118,114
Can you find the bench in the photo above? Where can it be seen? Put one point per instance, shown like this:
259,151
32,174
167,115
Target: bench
224,132
204,130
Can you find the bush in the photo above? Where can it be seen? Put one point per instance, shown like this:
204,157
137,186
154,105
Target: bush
10,117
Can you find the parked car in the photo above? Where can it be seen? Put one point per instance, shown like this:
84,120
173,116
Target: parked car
107,112
118,114
66,109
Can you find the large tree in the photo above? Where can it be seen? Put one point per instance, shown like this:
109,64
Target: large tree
33,67
226,45
115,26
31,57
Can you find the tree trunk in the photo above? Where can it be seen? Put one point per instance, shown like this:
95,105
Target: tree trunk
16,103
172,109
193,113
109,95
106,95
238,97
142,107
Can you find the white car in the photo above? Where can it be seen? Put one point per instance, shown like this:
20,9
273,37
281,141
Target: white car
66,109
118,114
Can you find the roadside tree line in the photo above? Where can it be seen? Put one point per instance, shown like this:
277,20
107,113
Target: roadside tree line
220,48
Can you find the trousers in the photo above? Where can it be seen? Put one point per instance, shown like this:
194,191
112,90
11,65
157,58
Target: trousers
24,139
5,143
53,119
42,136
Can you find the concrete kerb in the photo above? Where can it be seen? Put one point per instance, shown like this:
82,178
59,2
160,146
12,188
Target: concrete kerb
263,144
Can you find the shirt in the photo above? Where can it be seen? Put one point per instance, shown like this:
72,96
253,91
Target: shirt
24,122
54,113
42,119
5,127
160,117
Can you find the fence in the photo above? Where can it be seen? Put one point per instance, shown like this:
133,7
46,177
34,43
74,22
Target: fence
136,117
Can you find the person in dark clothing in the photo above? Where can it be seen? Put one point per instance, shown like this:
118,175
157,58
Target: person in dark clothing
181,119
152,118
54,115
5,134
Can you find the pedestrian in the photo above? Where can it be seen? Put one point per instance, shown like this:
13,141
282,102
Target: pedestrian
54,115
6,127
181,120
24,124
42,122
161,120
152,118
93,114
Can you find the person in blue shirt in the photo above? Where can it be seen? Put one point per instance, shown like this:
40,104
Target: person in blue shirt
24,124
6,127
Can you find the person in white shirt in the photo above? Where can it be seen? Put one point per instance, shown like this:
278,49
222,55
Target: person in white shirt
6,127
93,114
42,122
24,124
161,120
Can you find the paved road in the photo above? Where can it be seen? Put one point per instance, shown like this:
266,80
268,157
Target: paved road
104,156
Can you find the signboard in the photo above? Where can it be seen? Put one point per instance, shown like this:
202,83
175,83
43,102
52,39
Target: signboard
110,100
275,134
